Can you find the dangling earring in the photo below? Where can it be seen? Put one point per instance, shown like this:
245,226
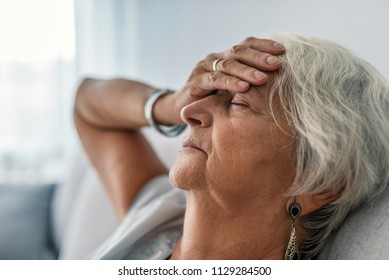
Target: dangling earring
292,252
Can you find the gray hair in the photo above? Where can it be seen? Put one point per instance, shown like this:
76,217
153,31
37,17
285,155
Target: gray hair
338,105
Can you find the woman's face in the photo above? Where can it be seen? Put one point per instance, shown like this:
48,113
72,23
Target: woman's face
235,149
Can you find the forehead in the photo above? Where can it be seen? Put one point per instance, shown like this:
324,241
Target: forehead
259,95
262,92
259,92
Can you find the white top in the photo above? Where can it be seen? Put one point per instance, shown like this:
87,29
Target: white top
151,227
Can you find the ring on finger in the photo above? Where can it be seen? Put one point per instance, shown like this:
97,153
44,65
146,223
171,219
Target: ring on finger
214,64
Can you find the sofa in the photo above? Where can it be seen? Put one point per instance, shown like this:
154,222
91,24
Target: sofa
71,219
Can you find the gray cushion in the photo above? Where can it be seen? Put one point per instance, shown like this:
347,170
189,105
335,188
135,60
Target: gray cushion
24,222
364,235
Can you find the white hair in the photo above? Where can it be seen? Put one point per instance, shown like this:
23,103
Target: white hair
338,105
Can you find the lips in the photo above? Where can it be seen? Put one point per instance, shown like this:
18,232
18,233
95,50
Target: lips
188,143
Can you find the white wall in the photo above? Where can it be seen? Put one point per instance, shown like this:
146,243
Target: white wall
174,34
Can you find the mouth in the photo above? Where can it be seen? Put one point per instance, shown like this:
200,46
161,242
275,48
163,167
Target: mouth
189,144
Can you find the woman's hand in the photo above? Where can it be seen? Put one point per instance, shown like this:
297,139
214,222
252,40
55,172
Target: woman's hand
236,69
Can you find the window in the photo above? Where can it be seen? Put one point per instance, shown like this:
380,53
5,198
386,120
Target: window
37,78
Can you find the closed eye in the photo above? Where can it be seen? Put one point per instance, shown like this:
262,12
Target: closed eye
241,103
213,92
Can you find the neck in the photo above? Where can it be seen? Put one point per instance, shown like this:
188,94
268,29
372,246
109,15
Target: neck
215,231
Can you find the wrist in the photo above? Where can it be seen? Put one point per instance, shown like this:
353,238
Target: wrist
164,111
157,114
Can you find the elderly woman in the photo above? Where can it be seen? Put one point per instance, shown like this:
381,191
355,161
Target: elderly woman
282,142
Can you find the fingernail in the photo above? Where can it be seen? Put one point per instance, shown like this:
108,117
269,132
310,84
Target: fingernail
272,60
278,46
243,84
259,75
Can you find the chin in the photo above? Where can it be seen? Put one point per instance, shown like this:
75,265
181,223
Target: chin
186,174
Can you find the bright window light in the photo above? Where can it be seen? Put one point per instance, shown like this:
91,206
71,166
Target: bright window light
36,30
37,51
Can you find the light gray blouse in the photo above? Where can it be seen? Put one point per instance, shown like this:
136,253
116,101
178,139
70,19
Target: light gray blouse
151,227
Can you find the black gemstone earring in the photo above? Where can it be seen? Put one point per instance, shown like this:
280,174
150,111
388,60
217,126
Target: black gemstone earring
292,252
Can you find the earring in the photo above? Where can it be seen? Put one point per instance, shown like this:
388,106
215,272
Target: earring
292,252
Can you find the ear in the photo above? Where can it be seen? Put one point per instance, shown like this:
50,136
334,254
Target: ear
312,202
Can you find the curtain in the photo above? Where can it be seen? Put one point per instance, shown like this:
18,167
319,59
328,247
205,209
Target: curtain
107,38
37,76
47,47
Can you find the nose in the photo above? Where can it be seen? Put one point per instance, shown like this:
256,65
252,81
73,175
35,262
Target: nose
198,113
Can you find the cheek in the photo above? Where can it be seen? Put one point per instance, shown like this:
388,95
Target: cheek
243,150
236,153
241,142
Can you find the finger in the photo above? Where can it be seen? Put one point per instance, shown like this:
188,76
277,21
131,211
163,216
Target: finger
219,80
207,63
264,45
247,55
209,81
232,67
